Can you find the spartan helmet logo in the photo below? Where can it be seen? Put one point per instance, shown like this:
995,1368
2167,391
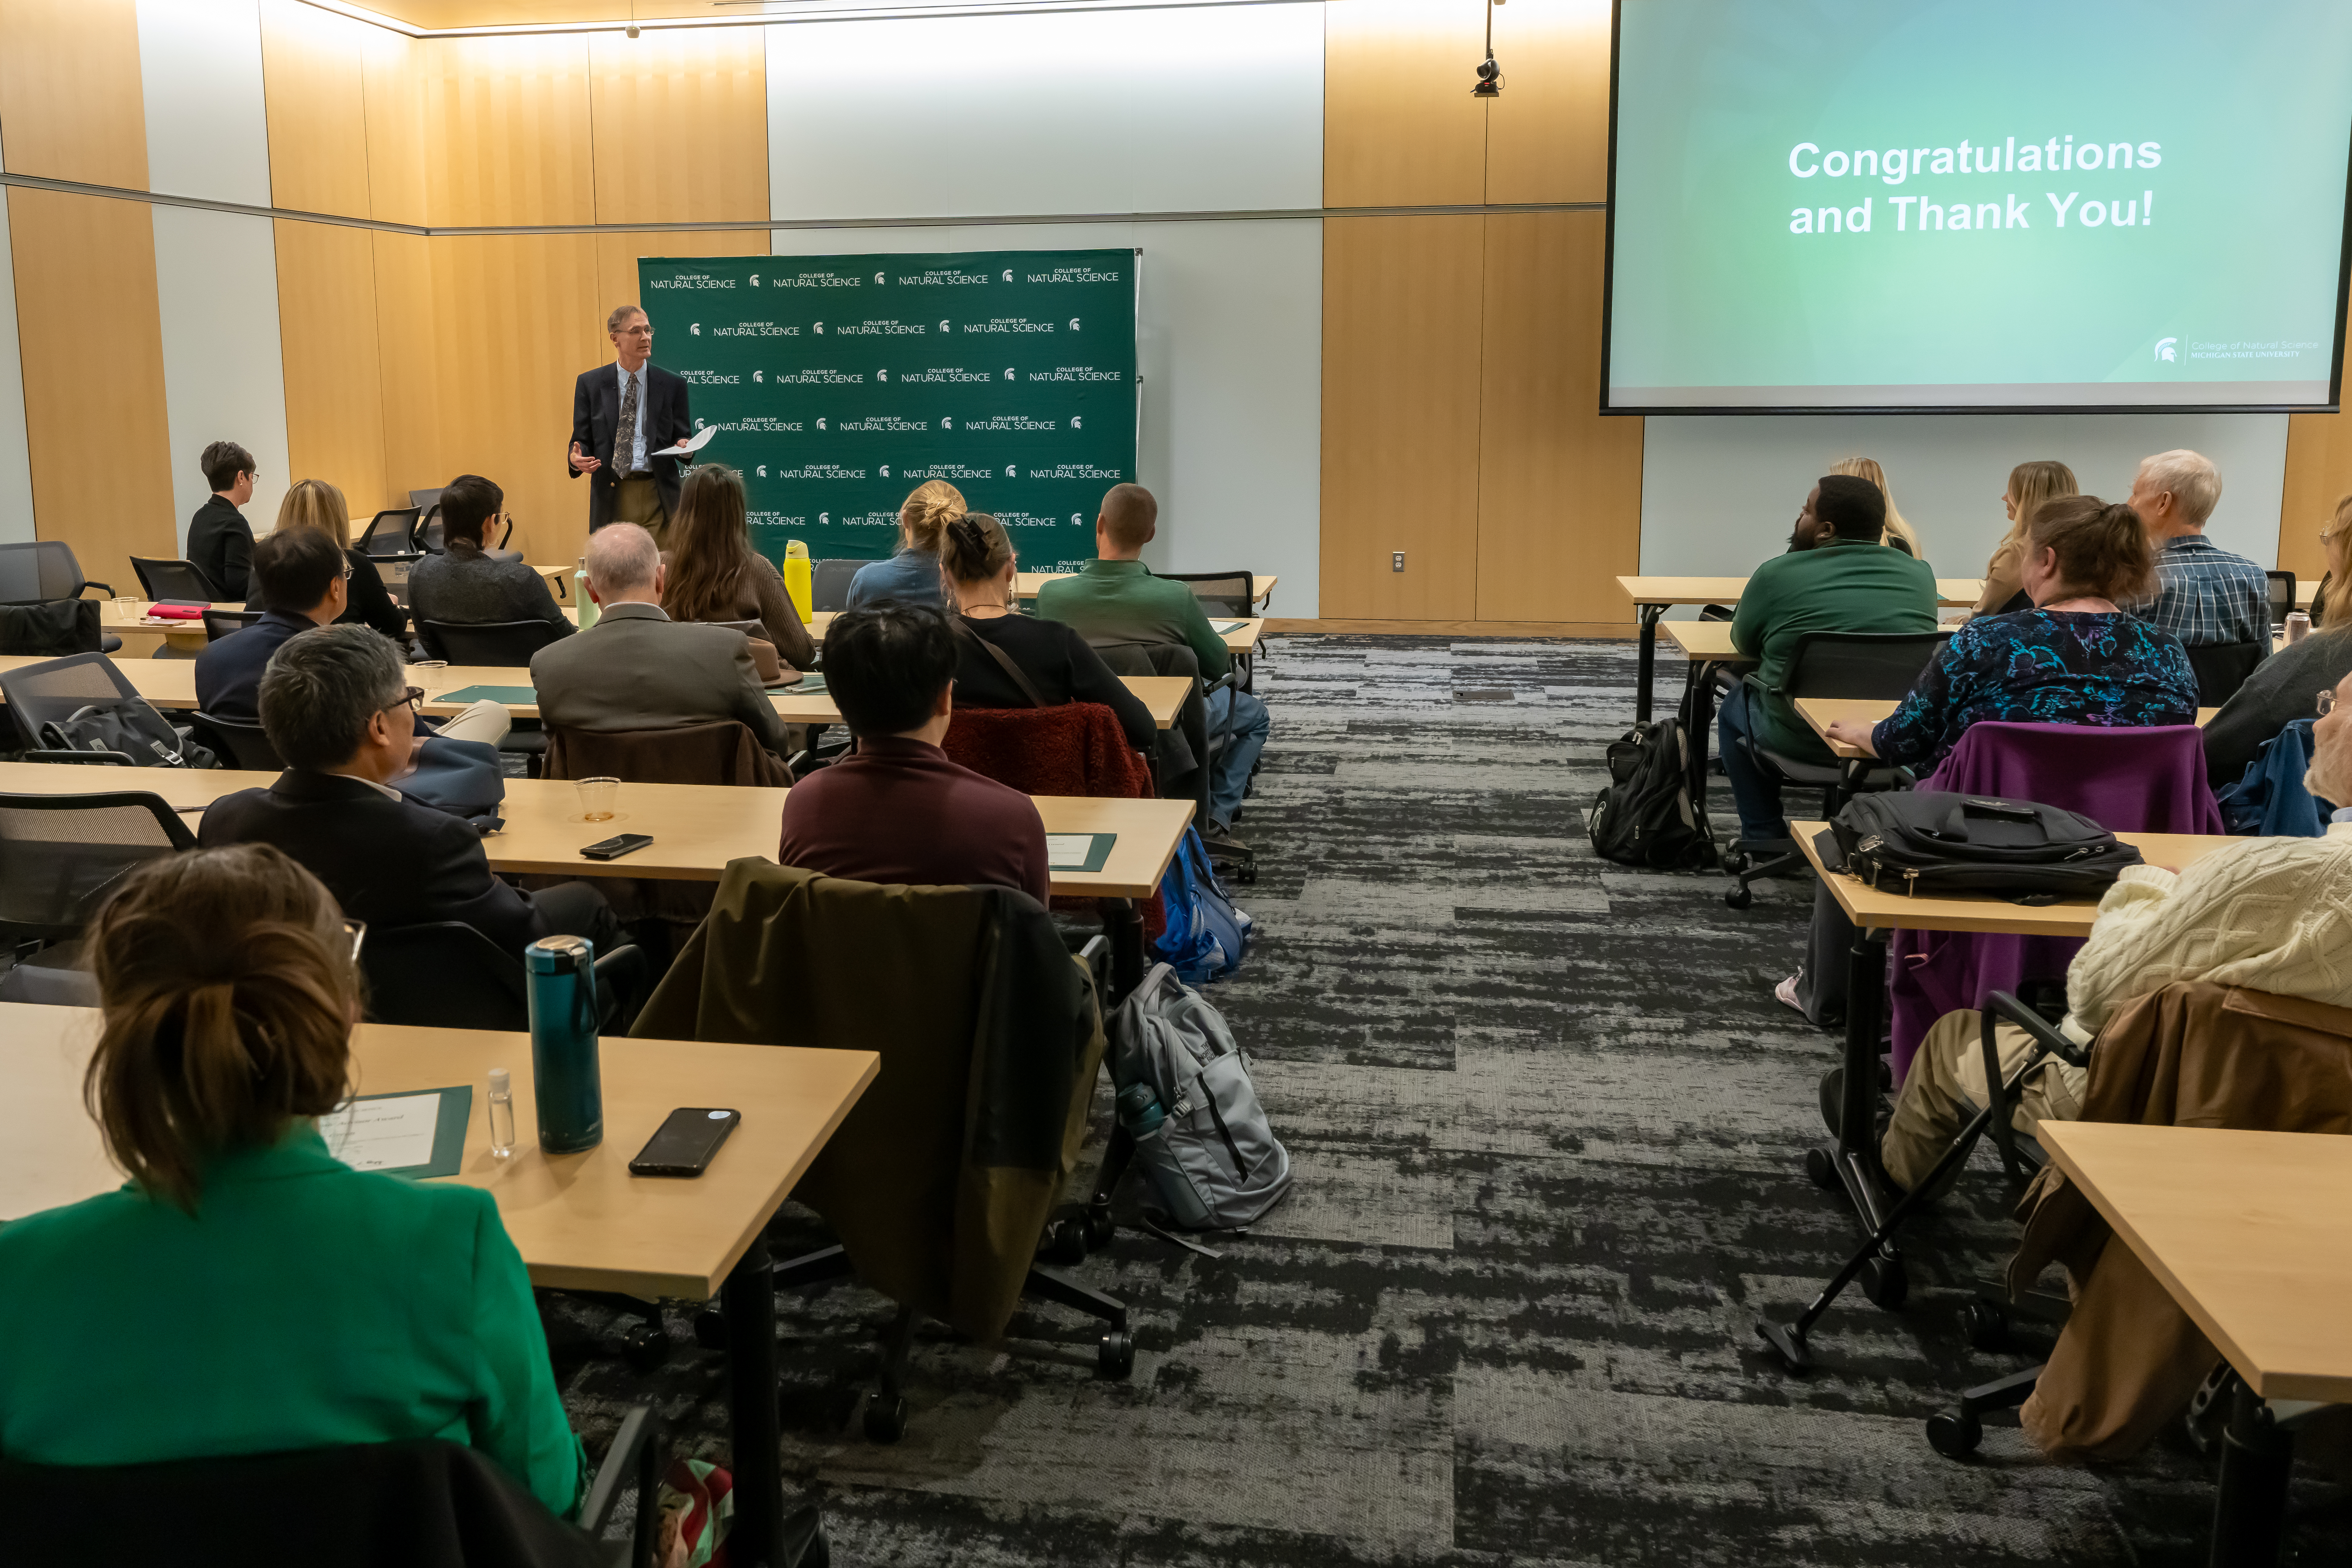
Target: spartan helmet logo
886,470
1074,423
1073,323
819,329
696,329
820,421
881,375
878,278
756,375
947,424
825,517
1009,470
2164,350
944,326
755,280
1008,374
763,470
1008,275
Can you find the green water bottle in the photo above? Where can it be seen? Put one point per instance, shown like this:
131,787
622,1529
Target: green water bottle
561,974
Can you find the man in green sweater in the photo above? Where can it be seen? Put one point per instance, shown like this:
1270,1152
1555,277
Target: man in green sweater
1836,577
1115,599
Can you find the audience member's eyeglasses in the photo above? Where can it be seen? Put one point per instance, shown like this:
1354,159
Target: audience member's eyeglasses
411,698
357,931
2326,703
347,571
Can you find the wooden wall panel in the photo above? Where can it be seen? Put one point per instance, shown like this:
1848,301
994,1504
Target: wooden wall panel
1548,134
334,383
681,125
394,67
617,254
1560,488
2319,472
517,320
70,104
1401,352
507,132
313,84
407,348
92,341
1400,127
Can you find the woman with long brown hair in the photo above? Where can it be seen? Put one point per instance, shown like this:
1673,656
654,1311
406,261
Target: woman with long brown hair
716,575
319,506
912,575
2030,484
247,1293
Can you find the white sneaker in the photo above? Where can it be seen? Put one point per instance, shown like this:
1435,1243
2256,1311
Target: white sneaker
1787,991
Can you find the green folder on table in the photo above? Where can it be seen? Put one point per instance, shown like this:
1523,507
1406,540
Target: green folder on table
417,1132
1078,851
504,695
1224,628
809,685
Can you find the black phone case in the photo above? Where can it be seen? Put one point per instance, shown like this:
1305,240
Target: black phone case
613,848
642,1166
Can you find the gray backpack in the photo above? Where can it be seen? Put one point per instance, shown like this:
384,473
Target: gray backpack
1185,1094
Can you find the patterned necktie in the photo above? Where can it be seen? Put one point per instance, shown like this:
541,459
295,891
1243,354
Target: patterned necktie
624,444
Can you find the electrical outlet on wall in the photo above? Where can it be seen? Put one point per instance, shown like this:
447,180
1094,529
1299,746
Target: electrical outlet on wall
1396,561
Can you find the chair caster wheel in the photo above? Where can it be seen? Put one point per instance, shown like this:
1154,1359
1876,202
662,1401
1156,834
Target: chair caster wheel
1065,1240
1100,1228
1115,1356
886,1418
1955,1433
1885,1283
710,1329
644,1347
1739,897
1822,1168
1986,1326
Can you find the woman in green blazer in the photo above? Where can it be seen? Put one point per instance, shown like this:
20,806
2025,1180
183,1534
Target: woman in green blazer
245,1292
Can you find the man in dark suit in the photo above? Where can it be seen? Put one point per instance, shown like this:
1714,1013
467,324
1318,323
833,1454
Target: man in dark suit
636,668
620,414
292,566
220,542
335,703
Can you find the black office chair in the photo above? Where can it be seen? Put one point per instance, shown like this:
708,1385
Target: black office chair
42,569
2282,597
829,584
368,1505
54,691
219,624
420,499
175,581
239,742
1226,597
425,537
52,630
61,855
1880,665
2222,668
388,532
506,645
444,975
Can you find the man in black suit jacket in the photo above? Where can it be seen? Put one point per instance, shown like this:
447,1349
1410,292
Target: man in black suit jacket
292,566
220,542
625,482
336,705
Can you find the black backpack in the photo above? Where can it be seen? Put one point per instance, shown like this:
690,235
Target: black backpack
1938,844
1644,817
130,729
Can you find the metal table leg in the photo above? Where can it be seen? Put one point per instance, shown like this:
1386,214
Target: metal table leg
2250,1509
1854,1156
1123,923
1648,616
749,1297
1698,699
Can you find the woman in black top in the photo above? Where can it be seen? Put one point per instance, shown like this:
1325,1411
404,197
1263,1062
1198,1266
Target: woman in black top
977,569
316,504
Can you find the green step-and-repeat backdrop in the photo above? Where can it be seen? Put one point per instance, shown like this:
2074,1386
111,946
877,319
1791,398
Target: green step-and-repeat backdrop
840,383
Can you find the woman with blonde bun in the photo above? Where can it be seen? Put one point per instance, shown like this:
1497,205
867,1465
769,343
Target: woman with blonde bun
912,575
1899,533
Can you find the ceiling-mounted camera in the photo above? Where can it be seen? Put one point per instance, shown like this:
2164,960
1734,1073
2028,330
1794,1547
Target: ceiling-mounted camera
1490,74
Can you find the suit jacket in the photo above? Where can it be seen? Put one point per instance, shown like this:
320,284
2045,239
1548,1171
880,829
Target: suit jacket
220,543
388,862
637,669
228,672
597,418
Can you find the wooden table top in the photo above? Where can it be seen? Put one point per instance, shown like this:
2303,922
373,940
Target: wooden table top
2248,1231
1702,641
1820,712
696,828
1953,591
1875,909
581,1222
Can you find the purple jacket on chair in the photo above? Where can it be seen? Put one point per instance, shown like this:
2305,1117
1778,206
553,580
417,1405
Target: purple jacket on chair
2128,779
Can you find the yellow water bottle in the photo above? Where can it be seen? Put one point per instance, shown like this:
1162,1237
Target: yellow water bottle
796,578
584,608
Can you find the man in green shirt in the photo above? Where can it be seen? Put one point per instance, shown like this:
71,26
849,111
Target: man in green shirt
1115,599
1836,577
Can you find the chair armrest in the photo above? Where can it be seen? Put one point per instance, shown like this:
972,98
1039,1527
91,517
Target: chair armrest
86,587
636,1457
102,759
2003,1006
621,976
1095,955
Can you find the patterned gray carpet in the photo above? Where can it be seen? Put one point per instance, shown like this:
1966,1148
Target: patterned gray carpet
1547,1121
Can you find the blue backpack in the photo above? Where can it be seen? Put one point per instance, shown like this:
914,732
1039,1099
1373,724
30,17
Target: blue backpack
2270,800
1206,936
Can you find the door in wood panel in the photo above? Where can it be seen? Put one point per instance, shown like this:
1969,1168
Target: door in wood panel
1548,134
517,318
507,130
1400,127
91,338
334,385
70,105
408,350
681,125
1401,346
314,86
1560,488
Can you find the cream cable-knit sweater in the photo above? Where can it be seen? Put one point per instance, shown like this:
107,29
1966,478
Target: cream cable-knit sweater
2271,913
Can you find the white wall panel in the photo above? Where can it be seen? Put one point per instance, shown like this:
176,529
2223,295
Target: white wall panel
200,74
216,290
15,472
1190,109
1229,343
1718,495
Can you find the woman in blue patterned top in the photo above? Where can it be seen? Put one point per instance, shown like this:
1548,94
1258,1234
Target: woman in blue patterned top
2073,658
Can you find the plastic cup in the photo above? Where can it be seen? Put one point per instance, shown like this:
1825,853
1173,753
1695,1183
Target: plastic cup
597,797
127,605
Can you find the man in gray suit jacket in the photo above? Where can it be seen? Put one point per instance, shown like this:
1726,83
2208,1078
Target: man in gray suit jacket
636,668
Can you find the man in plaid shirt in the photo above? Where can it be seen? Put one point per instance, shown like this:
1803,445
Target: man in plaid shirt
2204,594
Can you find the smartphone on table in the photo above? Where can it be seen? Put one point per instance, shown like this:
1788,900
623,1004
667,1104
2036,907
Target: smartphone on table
684,1144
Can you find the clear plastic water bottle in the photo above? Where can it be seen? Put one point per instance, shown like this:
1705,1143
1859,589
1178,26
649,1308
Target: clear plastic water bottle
502,1129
